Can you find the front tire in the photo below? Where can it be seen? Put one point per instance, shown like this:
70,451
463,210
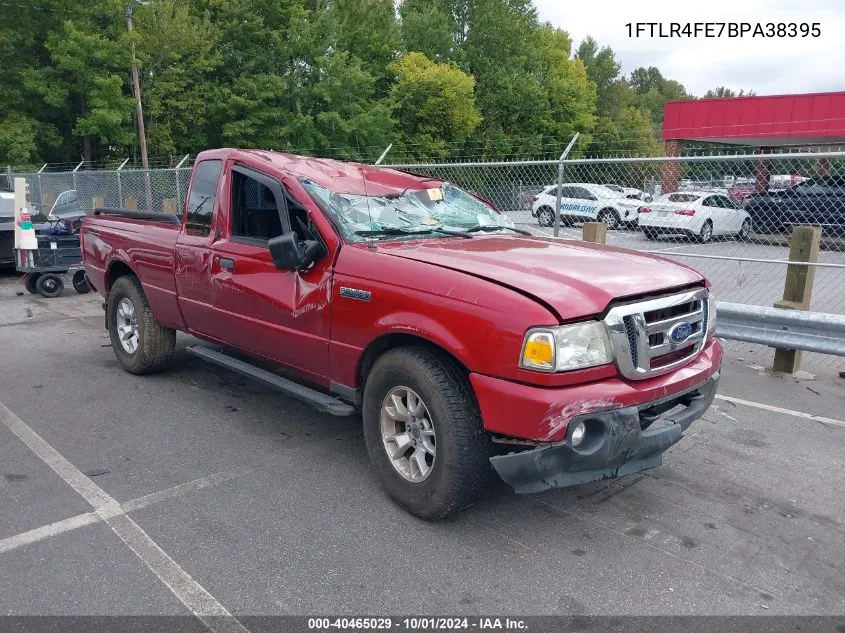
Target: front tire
141,345
423,432
545,216
609,217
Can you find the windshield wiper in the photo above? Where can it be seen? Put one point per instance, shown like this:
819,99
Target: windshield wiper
390,230
494,227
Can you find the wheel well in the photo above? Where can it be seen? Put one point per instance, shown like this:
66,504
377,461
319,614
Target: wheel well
115,271
388,342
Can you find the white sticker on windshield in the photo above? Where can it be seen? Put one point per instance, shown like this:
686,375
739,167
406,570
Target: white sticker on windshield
435,194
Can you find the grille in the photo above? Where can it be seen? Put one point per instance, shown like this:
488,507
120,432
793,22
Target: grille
654,336
631,332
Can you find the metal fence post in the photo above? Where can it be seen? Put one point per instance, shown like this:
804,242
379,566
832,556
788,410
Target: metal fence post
120,184
40,188
82,162
178,186
384,154
560,182
798,289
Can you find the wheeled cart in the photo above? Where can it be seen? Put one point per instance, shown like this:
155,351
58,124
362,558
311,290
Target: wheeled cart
44,267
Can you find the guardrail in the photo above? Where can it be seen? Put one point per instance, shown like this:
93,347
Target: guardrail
781,328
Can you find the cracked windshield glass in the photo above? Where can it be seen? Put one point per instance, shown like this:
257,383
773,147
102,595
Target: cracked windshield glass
438,210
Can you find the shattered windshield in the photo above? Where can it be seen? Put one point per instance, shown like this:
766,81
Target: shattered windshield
435,211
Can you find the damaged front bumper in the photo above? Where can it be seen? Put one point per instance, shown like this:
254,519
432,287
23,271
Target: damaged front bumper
617,442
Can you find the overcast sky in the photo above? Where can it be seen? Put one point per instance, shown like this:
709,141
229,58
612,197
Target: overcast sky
770,66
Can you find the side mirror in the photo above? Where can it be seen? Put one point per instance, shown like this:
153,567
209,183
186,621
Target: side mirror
290,254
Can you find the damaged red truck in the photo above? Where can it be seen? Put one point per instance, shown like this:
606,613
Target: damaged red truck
462,341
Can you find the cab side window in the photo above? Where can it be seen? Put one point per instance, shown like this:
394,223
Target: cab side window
255,210
203,195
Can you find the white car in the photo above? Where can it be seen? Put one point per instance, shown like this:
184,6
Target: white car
585,202
632,193
699,214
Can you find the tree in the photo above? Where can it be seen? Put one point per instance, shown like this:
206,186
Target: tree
434,105
427,27
178,54
654,90
722,92
368,30
612,93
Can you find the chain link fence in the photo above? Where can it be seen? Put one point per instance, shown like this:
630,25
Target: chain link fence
730,216
152,189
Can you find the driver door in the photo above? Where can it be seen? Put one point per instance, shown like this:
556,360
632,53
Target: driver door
281,315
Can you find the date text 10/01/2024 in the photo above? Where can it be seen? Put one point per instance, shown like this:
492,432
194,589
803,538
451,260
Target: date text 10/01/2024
723,29
417,624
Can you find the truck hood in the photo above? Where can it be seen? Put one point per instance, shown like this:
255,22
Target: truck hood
575,279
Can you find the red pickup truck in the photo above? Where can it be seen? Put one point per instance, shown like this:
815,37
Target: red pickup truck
463,341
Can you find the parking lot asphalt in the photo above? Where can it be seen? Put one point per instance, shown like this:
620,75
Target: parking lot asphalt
210,490
734,280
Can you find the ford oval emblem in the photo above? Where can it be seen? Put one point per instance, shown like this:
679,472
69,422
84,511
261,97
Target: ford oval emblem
680,332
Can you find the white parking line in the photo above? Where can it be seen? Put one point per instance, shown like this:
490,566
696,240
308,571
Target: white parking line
46,531
769,407
201,603
88,518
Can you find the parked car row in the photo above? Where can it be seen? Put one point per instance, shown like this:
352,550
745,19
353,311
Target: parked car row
700,212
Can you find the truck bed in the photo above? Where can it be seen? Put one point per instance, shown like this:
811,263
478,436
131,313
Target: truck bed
143,241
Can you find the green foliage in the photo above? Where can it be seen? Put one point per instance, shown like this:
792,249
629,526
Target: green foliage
434,105
440,78
723,92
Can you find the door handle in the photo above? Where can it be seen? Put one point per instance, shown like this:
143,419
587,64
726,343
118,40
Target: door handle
225,262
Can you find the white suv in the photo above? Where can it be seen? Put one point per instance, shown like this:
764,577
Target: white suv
585,202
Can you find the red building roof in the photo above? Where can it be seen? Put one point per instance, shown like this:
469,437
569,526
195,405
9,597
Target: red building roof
806,119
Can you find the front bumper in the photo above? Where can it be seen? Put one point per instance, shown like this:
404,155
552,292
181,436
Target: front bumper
614,444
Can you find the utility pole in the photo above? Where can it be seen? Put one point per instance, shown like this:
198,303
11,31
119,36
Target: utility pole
136,89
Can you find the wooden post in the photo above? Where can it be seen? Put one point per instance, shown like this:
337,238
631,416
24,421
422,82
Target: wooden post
131,202
798,289
169,205
595,232
98,201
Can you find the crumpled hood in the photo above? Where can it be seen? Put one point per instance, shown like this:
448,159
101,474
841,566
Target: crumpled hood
577,279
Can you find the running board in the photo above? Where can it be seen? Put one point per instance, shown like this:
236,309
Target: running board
316,399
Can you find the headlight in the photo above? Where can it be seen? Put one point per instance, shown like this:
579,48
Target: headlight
711,315
566,347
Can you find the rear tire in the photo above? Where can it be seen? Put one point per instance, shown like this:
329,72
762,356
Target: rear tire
49,285
609,217
459,467
141,345
745,230
546,216
706,232
30,281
